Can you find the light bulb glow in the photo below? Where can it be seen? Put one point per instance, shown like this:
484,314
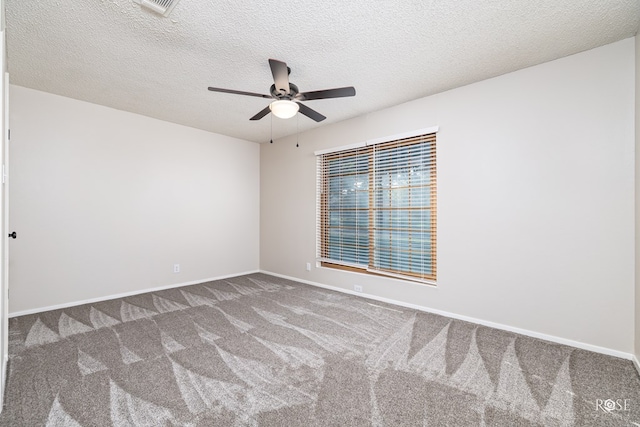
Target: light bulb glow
284,108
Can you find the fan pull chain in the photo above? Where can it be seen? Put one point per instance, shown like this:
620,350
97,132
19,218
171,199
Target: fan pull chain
297,129
271,139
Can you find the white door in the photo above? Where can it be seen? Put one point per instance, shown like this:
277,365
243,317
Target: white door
4,216
4,209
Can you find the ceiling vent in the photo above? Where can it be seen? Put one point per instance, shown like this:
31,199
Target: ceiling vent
163,7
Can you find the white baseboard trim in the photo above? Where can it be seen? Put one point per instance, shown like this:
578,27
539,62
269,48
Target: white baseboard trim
533,334
634,359
125,294
5,373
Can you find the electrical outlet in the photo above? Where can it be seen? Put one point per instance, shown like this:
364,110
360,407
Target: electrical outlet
357,288
308,266
176,268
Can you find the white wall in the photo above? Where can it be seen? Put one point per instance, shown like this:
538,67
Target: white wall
535,199
105,202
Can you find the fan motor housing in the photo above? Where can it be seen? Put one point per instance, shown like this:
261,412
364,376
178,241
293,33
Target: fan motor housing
293,91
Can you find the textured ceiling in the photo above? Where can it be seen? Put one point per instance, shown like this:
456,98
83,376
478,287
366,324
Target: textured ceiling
114,53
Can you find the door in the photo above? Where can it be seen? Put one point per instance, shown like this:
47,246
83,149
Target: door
4,208
4,220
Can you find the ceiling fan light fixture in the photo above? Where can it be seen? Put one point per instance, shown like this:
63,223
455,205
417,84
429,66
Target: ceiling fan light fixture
286,95
284,108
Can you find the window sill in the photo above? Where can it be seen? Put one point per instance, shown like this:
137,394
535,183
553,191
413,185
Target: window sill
365,272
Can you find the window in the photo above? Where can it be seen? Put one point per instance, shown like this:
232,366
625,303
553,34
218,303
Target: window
377,208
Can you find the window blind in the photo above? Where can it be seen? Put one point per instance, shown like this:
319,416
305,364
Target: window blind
377,208
344,207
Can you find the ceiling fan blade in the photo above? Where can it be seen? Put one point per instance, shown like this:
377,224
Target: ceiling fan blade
239,92
340,92
312,114
261,114
280,75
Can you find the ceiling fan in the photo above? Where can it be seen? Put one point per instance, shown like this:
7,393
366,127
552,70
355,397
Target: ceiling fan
287,96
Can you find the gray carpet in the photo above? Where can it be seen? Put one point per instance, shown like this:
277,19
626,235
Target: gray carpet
258,350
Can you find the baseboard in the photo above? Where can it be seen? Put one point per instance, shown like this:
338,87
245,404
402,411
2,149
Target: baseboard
5,374
533,334
634,359
125,294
